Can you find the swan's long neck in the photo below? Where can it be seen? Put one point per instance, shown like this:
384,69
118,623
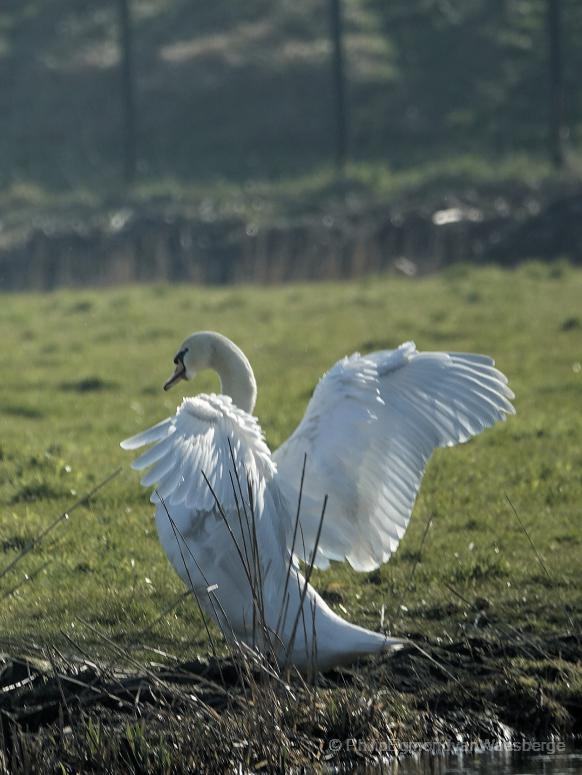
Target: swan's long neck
235,373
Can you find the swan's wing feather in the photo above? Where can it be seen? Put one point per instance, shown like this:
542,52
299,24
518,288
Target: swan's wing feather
195,451
155,433
368,433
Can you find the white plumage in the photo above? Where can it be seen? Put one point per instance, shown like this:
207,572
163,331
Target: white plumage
226,508
369,431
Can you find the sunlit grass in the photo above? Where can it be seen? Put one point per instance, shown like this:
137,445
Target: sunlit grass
83,370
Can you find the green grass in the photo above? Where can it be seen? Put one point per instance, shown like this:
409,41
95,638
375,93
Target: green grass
83,370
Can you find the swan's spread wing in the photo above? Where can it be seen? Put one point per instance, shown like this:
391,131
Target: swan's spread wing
368,433
207,437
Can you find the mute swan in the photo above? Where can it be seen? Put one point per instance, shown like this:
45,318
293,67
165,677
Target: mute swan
226,508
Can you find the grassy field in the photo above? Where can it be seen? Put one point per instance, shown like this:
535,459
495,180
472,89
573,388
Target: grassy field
83,370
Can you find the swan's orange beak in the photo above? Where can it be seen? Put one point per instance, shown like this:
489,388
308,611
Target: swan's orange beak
179,373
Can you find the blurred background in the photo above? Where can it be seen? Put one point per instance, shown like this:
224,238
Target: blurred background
274,140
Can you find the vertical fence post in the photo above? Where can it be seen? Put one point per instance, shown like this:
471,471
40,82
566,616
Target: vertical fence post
128,91
339,84
556,82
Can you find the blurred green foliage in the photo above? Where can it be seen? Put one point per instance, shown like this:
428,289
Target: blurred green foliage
473,74
243,90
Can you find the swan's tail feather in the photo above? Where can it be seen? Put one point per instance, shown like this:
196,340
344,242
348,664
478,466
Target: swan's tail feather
354,646
333,641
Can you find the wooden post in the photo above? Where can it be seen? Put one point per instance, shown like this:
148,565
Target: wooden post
339,85
128,92
556,82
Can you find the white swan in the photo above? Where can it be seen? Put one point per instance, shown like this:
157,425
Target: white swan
226,508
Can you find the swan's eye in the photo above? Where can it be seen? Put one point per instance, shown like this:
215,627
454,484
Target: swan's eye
180,357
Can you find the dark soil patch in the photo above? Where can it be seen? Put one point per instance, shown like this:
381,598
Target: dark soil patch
19,410
88,385
36,491
217,714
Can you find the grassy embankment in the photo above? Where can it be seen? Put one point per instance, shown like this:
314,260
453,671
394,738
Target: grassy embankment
83,370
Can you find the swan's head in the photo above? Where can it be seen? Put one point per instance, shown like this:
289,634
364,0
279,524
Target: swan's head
195,354
210,350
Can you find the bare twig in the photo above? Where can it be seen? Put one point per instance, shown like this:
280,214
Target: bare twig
529,538
537,554
455,592
416,562
192,587
146,631
26,580
309,571
61,518
190,698
284,597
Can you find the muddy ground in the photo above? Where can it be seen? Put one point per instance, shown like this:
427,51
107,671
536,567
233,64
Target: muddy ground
64,713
